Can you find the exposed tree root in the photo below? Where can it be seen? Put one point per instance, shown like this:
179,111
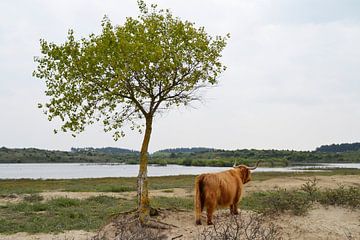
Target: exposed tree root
126,225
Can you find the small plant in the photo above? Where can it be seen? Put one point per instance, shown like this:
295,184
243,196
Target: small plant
65,202
241,228
311,188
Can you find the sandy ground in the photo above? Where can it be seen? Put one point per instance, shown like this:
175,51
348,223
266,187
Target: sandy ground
319,223
83,195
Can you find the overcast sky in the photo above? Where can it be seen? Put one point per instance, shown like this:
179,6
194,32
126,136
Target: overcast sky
292,78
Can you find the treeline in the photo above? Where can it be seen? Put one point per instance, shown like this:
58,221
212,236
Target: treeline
337,148
182,156
271,158
33,155
108,150
186,150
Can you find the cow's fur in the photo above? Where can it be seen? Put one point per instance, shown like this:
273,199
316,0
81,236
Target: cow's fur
223,189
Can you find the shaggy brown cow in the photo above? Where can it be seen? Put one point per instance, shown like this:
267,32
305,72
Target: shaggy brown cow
223,189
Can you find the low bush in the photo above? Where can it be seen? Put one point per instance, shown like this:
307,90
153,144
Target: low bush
299,201
241,228
279,201
347,197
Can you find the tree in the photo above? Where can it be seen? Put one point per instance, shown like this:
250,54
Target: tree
126,75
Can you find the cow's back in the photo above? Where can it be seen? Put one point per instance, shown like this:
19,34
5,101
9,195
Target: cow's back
221,187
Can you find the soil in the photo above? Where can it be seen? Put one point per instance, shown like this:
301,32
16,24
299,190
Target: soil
319,223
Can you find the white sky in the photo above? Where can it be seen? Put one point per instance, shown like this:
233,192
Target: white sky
293,77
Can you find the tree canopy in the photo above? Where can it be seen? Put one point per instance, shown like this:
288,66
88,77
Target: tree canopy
128,71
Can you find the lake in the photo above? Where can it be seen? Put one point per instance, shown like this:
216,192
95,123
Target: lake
80,170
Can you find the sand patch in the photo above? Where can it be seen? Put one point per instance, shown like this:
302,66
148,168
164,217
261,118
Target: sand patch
173,192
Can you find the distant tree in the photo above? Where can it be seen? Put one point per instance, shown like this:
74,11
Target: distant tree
335,148
128,74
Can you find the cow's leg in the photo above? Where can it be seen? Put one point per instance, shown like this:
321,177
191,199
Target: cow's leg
210,208
233,209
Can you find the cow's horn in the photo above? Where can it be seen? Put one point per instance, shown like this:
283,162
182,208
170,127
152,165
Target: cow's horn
234,163
256,165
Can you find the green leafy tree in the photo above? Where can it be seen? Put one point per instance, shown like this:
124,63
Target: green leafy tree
127,74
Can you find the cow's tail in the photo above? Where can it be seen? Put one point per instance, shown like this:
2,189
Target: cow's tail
198,198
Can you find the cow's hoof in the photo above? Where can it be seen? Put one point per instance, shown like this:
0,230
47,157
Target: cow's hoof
198,222
210,223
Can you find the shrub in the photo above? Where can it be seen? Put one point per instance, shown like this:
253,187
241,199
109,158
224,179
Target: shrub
241,228
347,197
299,201
279,201
311,188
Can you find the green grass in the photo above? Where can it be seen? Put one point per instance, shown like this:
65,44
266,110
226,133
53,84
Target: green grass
60,214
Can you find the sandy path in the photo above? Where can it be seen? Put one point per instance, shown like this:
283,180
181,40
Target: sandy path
174,192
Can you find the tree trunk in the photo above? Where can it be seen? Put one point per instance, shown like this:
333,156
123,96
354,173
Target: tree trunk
142,180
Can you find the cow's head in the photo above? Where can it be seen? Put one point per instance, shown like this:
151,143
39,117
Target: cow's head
245,171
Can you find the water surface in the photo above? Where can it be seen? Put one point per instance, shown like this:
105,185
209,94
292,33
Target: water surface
80,170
